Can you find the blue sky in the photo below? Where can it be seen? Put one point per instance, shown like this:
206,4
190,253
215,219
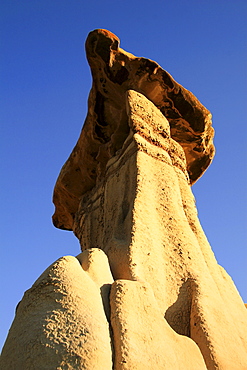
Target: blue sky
45,81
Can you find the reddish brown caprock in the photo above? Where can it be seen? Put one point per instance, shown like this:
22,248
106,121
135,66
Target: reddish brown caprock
114,72
146,292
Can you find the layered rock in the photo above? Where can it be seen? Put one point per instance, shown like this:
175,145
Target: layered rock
143,215
114,72
159,299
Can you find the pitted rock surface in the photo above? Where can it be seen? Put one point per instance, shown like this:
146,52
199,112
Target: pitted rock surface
115,71
146,291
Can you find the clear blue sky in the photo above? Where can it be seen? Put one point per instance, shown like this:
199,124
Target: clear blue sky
45,81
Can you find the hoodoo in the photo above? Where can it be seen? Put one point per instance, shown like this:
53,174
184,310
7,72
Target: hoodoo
146,291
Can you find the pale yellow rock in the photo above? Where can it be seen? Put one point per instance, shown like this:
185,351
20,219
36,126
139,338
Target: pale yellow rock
143,216
60,323
142,337
125,193
95,262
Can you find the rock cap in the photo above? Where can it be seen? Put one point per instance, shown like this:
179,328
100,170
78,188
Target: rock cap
114,72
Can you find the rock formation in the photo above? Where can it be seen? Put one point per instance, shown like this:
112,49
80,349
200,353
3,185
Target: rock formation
106,126
146,292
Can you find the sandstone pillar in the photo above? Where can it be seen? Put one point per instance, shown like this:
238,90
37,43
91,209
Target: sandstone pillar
146,292
143,216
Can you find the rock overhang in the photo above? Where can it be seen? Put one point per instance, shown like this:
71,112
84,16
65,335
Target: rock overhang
114,72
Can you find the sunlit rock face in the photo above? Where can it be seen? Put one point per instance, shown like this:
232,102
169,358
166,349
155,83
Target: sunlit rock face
146,292
60,322
143,215
106,127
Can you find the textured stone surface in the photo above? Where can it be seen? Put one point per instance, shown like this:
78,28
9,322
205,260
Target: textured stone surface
125,190
142,338
95,263
115,71
143,216
60,322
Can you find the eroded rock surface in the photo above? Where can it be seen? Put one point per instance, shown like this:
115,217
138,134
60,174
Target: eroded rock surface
60,322
142,338
146,292
115,71
143,216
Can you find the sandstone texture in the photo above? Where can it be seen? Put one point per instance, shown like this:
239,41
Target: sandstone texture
142,338
143,215
146,292
60,322
114,72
